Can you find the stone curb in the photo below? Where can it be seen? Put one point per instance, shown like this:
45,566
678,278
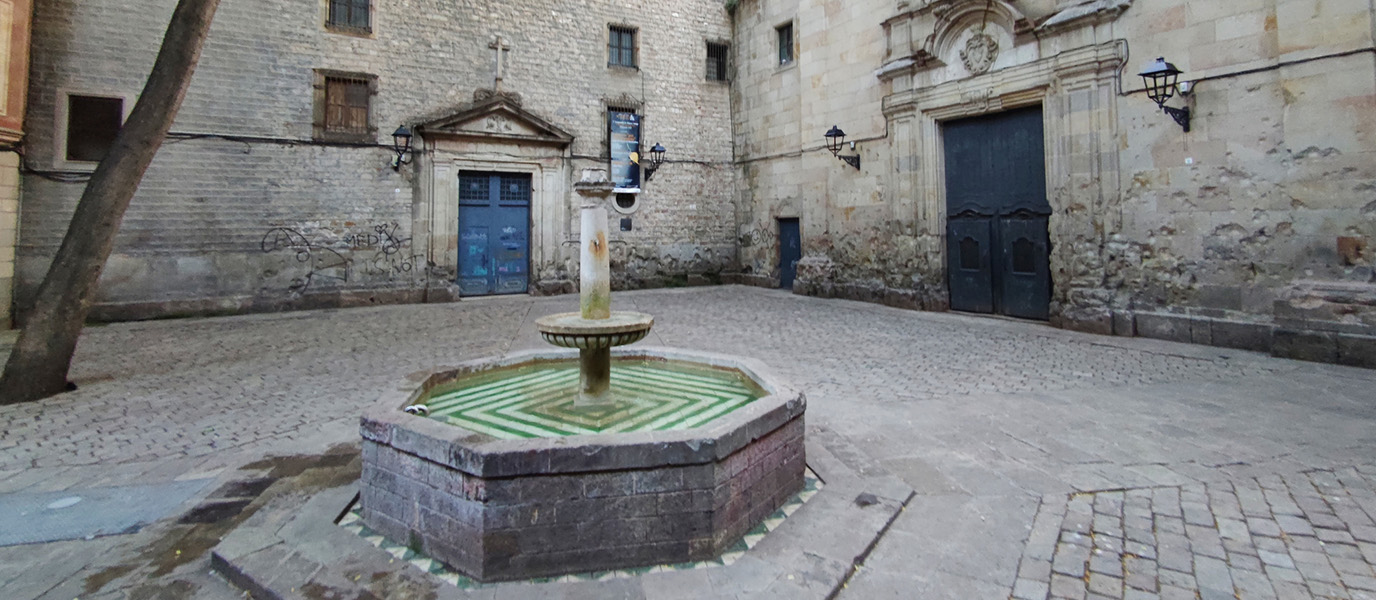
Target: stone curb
292,549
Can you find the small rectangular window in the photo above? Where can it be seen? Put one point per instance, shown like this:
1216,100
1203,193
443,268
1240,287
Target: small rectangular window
346,105
92,123
718,61
785,43
343,107
351,15
621,47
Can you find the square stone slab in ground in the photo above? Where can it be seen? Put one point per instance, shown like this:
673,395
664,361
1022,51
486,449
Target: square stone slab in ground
85,513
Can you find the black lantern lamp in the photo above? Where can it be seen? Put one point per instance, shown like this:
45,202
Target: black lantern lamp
656,159
401,144
835,140
1161,79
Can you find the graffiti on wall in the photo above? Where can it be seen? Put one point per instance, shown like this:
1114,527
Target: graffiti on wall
379,252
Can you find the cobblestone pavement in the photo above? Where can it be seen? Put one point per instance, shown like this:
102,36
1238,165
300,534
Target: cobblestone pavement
1046,461
1305,535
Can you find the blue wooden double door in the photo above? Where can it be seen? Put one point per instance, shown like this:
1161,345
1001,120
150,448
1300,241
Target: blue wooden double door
998,247
494,233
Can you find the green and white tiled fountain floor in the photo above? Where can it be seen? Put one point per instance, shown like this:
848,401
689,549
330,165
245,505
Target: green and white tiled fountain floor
538,401
352,521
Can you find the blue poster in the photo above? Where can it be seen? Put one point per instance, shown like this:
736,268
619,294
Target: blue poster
625,151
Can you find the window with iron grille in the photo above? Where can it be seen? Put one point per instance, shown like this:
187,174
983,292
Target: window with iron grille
718,62
785,43
621,47
351,15
343,103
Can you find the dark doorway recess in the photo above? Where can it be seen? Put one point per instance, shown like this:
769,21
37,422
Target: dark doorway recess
494,233
997,246
790,251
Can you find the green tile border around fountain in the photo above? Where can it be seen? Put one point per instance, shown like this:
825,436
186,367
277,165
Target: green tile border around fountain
484,456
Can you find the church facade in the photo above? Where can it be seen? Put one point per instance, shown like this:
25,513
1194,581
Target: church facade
1011,162
1000,157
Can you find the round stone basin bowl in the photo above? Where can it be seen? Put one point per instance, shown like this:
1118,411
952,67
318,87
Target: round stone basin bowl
504,479
571,330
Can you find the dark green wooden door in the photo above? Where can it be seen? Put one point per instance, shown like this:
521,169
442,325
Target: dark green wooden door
997,246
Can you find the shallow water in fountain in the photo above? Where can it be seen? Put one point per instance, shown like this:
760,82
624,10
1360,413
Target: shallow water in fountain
537,400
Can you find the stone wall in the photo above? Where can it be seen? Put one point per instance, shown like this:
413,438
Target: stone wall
1231,227
9,230
242,211
540,525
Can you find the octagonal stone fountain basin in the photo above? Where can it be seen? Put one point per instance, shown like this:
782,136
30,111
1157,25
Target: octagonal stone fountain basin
612,489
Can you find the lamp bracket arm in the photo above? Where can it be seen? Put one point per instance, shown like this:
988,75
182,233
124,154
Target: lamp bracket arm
1181,116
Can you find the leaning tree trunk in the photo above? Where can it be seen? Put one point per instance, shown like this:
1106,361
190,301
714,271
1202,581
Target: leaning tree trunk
40,360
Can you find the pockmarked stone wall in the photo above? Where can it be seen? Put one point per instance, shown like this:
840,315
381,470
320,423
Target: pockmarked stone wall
1253,230
241,210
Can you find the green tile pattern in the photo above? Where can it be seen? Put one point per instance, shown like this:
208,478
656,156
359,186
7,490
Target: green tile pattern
353,522
538,400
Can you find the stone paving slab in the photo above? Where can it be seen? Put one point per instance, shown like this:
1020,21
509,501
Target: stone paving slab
292,549
90,512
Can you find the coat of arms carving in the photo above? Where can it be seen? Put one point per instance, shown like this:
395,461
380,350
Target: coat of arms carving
979,54
498,124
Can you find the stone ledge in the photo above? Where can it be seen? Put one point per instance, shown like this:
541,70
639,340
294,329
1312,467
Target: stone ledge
292,550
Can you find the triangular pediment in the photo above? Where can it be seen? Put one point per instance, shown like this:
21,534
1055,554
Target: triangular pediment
498,118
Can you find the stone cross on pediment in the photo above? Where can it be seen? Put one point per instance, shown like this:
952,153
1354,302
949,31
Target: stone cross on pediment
501,48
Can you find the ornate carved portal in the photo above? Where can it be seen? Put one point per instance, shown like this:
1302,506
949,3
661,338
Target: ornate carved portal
1077,90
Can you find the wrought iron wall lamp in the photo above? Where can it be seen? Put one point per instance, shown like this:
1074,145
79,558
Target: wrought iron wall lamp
1160,78
656,160
835,139
401,144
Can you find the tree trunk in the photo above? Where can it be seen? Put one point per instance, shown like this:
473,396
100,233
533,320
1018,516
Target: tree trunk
40,360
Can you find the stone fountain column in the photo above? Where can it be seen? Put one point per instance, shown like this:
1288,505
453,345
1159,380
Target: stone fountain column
595,329
595,302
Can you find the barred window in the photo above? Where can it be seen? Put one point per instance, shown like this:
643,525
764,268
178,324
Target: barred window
343,103
346,105
621,47
718,61
785,43
351,15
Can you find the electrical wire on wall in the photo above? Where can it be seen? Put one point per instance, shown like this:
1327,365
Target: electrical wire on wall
71,176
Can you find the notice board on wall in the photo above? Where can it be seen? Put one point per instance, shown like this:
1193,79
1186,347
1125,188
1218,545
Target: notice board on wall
625,151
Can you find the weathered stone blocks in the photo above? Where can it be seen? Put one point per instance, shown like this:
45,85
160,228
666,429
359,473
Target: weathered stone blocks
512,509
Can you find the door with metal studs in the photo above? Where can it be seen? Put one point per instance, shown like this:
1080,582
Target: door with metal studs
997,243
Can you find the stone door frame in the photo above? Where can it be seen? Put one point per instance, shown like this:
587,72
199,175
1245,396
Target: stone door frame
545,206
494,135
1077,90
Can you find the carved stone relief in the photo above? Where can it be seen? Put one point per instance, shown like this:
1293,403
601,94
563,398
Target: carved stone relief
497,124
979,54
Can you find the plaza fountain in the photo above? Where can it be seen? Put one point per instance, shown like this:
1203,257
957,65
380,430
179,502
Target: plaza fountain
540,464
